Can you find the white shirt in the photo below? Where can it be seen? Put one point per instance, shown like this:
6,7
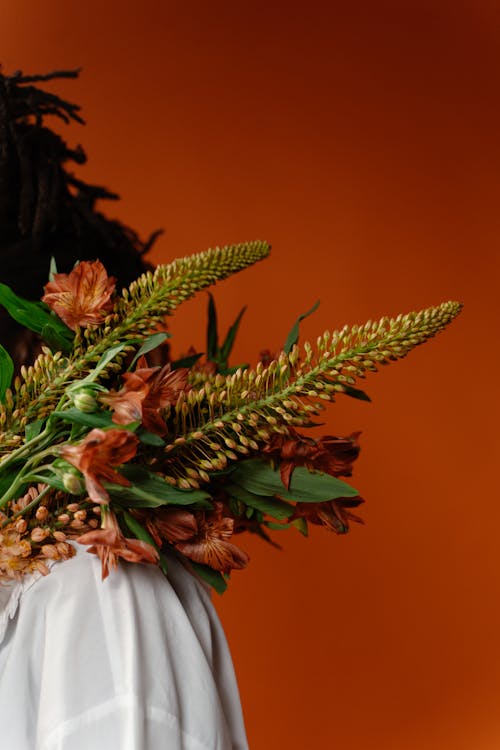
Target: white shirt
135,662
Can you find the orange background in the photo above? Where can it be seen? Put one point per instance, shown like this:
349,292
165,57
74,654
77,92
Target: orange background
363,142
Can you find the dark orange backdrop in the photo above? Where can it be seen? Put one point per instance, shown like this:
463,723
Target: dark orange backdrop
363,143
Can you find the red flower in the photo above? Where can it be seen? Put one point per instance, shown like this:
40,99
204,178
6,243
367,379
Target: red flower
108,543
202,537
329,454
333,514
145,393
96,456
82,297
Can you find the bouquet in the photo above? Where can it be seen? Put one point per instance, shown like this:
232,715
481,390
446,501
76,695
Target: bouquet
99,446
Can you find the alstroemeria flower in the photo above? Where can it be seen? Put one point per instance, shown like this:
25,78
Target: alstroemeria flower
82,297
97,454
145,393
332,514
108,543
202,536
329,454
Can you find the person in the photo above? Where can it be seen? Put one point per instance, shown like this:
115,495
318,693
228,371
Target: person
138,661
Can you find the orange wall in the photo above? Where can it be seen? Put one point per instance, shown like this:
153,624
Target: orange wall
363,143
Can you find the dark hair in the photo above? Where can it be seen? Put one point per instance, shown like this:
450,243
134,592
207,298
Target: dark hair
45,211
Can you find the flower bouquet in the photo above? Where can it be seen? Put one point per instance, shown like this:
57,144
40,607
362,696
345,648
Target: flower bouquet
100,447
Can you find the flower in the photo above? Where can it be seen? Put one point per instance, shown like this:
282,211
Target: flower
97,454
202,536
82,297
333,514
146,391
108,543
329,454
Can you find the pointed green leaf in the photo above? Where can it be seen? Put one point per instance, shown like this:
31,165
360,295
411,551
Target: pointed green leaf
270,505
212,577
33,429
56,340
188,361
138,530
152,342
293,336
94,419
227,346
212,334
149,490
348,390
258,477
6,371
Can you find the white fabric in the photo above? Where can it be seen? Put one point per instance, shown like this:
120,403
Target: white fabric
137,662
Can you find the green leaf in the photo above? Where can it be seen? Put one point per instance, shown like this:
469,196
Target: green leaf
150,438
32,315
212,335
33,429
138,530
106,358
301,525
293,336
6,371
188,362
152,342
52,268
148,490
259,478
270,505
233,369
278,526
212,577
348,390
227,346
93,419
56,339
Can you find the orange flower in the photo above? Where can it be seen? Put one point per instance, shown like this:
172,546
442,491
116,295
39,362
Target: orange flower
96,456
202,537
146,392
329,454
108,543
333,514
82,297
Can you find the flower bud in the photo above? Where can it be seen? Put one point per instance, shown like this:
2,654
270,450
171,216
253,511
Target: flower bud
38,534
85,401
72,483
21,526
41,513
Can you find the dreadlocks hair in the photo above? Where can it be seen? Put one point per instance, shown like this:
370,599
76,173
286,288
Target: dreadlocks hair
45,211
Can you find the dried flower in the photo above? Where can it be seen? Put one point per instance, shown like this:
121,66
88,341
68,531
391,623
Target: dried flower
97,454
82,297
147,390
202,537
329,454
108,543
333,514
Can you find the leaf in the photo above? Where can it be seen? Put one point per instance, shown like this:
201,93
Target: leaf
94,419
188,361
149,438
33,429
102,363
211,576
56,339
6,371
259,478
152,342
227,346
212,335
293,336
32,315
270,505
301,525
138,530
348,390
148,490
